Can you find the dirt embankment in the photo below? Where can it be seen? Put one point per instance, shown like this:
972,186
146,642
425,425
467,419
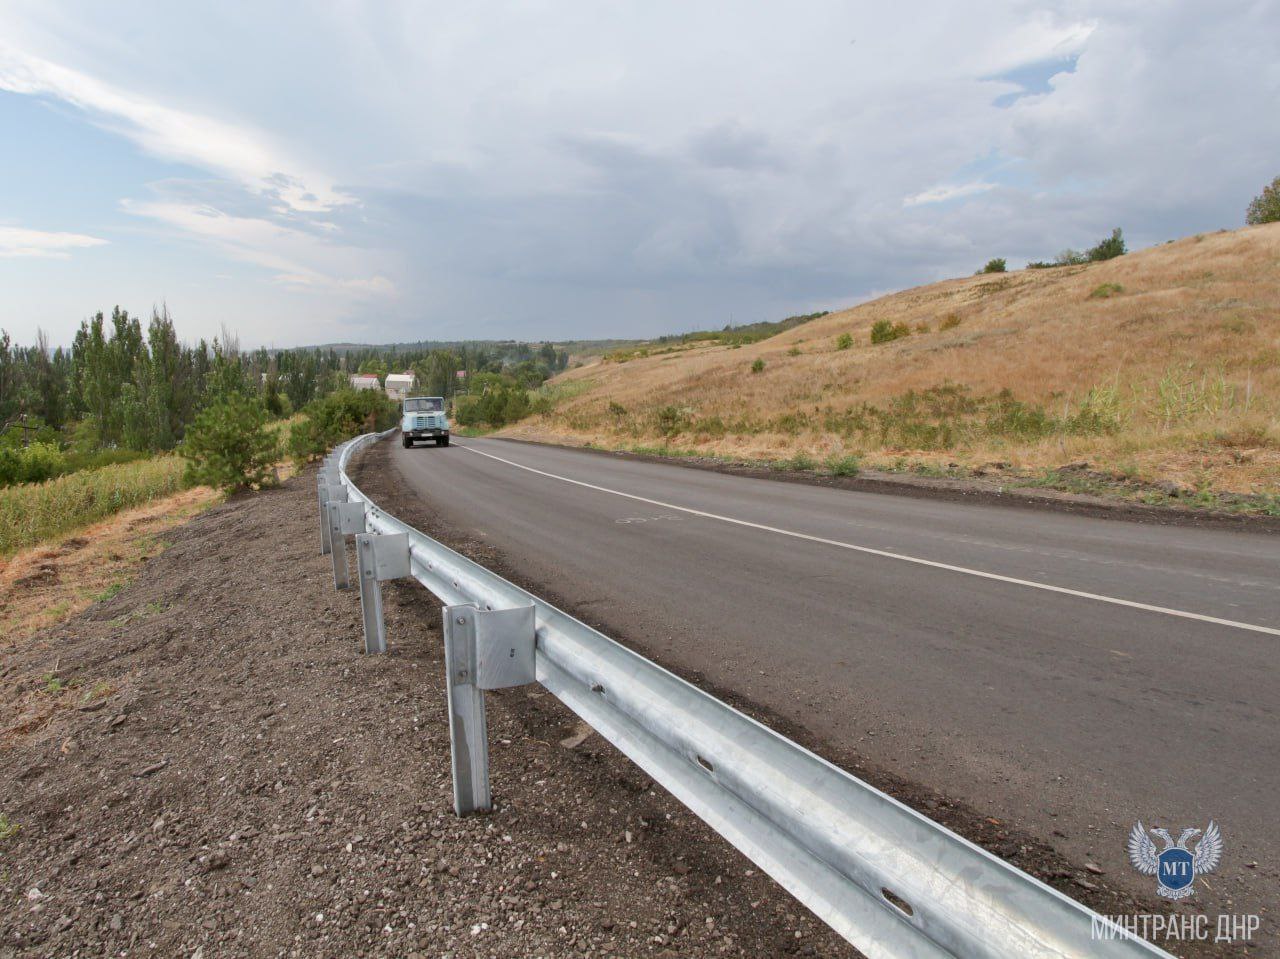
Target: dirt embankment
206,765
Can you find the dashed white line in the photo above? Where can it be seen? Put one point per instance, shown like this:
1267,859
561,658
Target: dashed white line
901,557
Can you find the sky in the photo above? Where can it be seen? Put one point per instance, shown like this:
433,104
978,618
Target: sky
390,171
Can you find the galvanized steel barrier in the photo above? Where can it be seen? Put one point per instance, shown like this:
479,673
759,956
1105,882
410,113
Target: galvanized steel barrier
891,881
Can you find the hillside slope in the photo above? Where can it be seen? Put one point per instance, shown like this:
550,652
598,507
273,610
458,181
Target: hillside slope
1162,366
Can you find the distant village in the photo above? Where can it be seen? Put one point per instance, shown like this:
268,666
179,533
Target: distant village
397,385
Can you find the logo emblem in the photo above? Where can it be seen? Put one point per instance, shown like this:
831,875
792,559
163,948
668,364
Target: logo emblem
1176,866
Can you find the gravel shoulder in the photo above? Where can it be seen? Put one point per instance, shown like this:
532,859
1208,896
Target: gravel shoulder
206,765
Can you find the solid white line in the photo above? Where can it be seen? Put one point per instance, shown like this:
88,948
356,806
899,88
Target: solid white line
1048,587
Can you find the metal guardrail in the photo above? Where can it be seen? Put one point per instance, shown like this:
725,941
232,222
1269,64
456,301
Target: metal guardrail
889,880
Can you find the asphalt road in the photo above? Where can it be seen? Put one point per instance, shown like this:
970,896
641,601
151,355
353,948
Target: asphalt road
983,651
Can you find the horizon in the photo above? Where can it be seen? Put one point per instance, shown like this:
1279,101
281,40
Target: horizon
555,174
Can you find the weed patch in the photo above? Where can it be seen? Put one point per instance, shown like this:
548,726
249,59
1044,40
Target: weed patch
843,465
672,420
883,331
32,513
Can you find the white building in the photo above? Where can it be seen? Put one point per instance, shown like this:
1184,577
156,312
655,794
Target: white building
361,381
400,385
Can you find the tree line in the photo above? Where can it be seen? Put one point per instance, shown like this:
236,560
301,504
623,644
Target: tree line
123,385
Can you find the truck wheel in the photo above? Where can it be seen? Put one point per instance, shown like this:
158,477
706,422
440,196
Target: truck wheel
442,441
408,442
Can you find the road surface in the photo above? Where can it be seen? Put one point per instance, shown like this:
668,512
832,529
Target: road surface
1065,674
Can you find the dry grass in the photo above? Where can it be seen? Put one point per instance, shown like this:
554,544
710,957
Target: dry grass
1173,374
32,513
49,583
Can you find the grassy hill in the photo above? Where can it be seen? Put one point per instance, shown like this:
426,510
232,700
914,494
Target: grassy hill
1161,367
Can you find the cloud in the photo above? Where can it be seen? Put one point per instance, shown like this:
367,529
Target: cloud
522,169
947,191
297,260
232,150
16,242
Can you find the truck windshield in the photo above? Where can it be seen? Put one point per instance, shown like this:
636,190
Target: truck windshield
424,404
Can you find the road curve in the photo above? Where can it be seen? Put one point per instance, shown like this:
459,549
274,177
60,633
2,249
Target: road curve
1068,675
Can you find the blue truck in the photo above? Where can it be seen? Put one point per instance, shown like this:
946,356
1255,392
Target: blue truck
423,419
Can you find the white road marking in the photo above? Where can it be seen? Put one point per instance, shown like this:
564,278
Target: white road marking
901,557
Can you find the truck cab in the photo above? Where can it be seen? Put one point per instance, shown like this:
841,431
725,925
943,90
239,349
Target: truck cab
423,419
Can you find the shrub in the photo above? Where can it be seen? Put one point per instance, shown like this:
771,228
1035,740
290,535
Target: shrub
882,331
1040,265
1106,291
757,366
846,465
1110,248
1265,207
951,322
501,403
1100,412
339,416
31,464
1070,257
37,512
305,441
794,351
1013,417
229,446
617,409
994,265
844,341
672,420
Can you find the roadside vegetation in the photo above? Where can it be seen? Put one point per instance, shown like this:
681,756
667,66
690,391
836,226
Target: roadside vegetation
92,429
61,576
33,513
339,416
1153,375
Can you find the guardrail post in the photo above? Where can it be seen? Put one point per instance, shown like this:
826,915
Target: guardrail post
483,649
344,519
378,558
323,490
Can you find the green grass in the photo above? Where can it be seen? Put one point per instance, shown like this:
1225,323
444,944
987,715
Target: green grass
843,465
798,463
8,827
674,452
36,512
98,690
109,592
550,395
